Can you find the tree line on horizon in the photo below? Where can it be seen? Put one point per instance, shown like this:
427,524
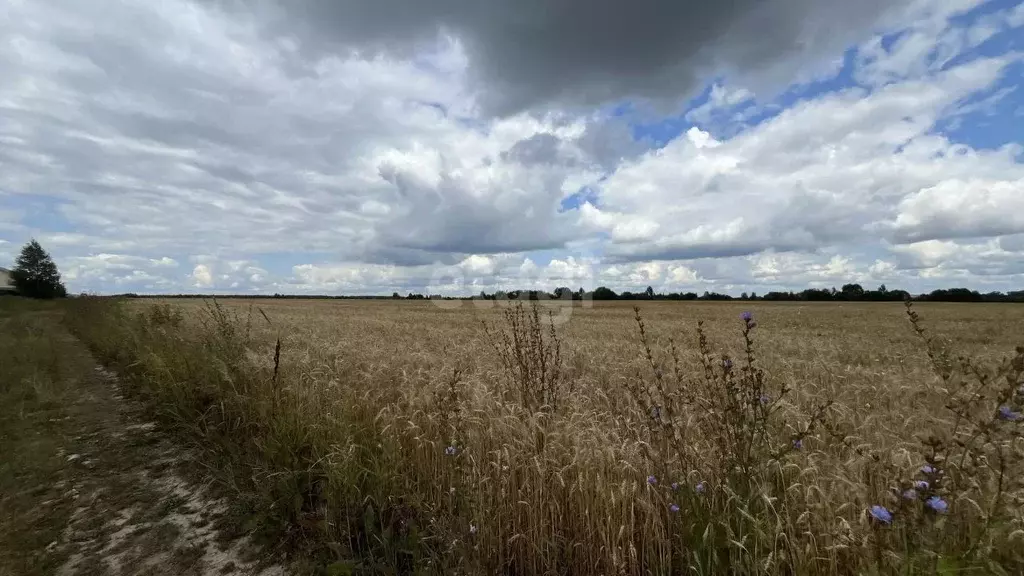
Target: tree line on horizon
847,293
35,275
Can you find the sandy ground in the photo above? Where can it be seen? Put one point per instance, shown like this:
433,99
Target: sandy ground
135,506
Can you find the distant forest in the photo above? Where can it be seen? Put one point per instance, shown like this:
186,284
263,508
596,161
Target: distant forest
848,293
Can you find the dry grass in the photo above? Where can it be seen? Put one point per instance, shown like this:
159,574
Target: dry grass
406,435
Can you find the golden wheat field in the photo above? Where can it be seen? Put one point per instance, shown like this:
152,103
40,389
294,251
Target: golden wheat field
478,438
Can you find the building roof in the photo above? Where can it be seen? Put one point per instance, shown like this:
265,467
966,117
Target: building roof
6,282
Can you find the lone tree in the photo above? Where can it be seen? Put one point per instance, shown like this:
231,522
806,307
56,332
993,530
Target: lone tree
35,274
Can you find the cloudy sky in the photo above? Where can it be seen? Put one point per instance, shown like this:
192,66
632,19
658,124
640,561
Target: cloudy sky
371,146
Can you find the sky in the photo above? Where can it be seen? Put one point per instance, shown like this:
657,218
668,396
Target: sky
459,146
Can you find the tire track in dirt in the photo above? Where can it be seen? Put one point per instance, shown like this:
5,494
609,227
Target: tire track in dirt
135,511
123,497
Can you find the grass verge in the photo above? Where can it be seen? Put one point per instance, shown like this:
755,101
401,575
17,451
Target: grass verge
86,487
37,372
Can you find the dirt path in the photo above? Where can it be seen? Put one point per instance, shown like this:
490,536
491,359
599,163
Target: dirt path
87,486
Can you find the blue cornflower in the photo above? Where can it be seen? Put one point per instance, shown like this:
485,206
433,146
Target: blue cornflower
910,494
451,450
701,487
674,507
1006,413
921,484
747,316
927,469
881,514
652,480
675,486
937,504
798,443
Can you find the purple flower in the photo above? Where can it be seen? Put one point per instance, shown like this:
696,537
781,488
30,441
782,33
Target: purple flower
881,514
727,363
927,469
1005,413
937,504
747,316
910,494
451,450
675,486
701,487
673,507
656,412
765,399
798,444
921,484
652,480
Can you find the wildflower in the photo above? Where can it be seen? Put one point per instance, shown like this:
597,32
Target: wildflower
472,528
881,514
798,444
451,450
927,469
765,399
910,494
652,480
451,490
701,487
1005,413
921,484
674,507
727,363
747,316
675,486
656,412
937,504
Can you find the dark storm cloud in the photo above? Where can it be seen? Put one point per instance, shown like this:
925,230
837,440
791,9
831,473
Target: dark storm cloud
531,52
